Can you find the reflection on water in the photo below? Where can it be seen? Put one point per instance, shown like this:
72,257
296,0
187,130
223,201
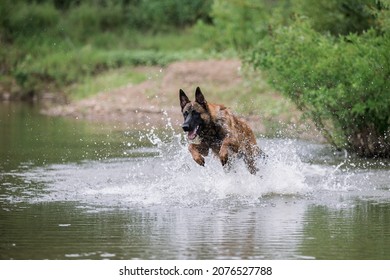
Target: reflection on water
154,233
73,190
364,227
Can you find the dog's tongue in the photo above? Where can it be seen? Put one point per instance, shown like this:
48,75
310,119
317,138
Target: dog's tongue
192,134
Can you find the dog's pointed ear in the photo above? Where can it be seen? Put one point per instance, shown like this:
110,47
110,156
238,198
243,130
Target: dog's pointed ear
199,97
183,99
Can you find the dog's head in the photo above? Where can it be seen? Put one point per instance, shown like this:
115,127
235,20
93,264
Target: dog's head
195,114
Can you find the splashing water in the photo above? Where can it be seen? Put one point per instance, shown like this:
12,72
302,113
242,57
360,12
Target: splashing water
165,174
172,177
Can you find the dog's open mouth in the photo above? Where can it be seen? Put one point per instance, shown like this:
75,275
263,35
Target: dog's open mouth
193,133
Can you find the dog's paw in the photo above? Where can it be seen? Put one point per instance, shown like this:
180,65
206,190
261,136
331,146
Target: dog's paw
199,160
223,156
253,170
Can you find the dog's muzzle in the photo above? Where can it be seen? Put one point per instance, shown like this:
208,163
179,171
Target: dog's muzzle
185,127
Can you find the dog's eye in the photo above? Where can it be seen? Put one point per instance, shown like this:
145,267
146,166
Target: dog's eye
185,114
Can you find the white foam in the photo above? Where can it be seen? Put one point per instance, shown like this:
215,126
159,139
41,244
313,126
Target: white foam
176,179
169,176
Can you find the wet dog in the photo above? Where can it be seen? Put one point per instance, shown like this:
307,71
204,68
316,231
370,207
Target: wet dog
212,126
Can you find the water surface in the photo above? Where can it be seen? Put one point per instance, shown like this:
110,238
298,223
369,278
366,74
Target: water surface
76,190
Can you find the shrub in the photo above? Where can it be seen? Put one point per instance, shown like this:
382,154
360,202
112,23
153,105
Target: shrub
163,15
236,24
341,83
338,17
85,21
29,20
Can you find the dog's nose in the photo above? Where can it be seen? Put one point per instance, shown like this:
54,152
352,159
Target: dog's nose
185,127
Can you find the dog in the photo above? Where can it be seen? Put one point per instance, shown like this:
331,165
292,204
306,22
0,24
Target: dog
212,126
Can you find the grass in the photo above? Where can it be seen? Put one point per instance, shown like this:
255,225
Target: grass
168,42
104,82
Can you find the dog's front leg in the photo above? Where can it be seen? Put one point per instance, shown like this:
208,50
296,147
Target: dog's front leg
198,152
227,144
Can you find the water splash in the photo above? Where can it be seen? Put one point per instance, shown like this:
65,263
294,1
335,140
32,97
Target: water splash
164,173
176,179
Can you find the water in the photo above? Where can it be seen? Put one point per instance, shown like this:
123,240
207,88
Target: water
77,190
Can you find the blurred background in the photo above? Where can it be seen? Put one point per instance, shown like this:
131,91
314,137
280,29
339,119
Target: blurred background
330,59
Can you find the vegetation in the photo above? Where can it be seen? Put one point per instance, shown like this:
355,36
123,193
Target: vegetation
337,73
105,82
341,84
237,24
47,45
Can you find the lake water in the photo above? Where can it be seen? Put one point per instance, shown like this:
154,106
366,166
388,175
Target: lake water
76,190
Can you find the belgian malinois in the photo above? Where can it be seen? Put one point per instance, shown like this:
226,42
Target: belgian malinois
212,126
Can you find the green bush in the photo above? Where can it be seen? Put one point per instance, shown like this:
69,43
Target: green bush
30,20
338,17
163,15
86,21
236,24
341,83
